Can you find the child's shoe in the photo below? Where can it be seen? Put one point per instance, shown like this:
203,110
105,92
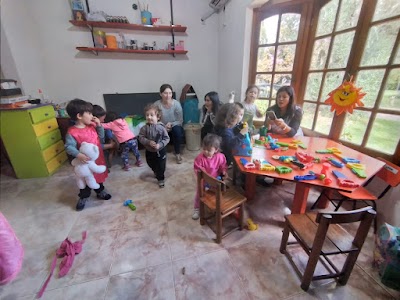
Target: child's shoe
196,214
161,183
81,204
138,163
103,195
178,158
126,167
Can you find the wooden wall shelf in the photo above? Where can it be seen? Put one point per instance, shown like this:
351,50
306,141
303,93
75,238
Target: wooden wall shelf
91,24
92,49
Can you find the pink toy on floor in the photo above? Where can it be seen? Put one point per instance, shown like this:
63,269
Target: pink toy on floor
11,252
67,250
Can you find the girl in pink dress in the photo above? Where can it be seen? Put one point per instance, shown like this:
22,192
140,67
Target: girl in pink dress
88,129
211,161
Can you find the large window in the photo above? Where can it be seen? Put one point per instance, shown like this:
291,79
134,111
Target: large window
358,38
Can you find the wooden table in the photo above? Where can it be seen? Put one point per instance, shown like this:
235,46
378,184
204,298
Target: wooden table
302,187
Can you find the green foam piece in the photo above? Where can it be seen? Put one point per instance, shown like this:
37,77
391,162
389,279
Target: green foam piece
283,169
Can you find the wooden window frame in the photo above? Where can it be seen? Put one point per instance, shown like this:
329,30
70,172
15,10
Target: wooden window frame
311,9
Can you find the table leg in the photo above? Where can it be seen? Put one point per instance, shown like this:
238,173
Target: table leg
300,198
250,186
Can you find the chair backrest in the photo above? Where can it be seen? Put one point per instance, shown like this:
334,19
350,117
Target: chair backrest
390,173
366,215
350,216
206,180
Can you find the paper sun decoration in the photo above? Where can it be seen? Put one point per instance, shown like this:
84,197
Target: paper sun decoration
345,97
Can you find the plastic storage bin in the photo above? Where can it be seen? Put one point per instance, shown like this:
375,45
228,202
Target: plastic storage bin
193,136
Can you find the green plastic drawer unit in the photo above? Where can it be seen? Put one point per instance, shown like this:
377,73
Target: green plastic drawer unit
49,139
32,140
42,113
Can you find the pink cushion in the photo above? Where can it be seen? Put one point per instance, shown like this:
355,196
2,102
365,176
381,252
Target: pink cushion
11,252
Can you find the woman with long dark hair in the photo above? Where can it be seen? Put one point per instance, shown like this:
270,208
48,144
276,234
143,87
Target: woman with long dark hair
209,113
288,115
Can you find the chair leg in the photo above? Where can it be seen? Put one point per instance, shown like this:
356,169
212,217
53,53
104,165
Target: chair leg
202,212
316,202
241,217
348,267
376,217
285,237
339,205
218,219
234,173
310,268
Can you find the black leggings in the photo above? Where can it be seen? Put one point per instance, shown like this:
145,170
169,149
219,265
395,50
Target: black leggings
157,161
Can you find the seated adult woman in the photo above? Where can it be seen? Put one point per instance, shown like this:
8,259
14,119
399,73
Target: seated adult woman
172,117
209,113
288,115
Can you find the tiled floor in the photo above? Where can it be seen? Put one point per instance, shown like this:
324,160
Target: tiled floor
142,254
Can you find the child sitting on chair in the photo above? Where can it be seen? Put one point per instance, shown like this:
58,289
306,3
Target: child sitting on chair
211,161
125,138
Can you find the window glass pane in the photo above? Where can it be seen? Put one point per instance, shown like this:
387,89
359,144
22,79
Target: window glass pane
380,43
268,30
324,119
332,81
356,125
262,105
320,53
370,81
289,27
397,57
391,94
326,18
308,115
313,86
279,81
265,59
263,81
285,57
386,8
383,137
342,44
349,13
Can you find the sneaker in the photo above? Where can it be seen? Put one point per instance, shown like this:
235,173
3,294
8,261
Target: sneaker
138,163
103,195
161,183
126,167
81,204
196,214
178,158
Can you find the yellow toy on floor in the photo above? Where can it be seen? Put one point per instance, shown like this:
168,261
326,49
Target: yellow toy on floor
251,226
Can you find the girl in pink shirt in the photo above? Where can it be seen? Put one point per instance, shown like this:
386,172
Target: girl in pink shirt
125,137
211,161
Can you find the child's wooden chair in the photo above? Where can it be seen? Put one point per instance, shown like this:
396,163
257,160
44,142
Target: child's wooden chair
390,174
320,235
219,201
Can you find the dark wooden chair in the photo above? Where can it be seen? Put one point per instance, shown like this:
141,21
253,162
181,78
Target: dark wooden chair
220,203
390,173
320,235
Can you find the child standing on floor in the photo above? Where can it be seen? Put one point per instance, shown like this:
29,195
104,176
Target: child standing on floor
229,115
109,138
154,137
88,129
125,138
248,103
211,161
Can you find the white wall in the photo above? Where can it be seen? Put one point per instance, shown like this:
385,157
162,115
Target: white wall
234,48
43,48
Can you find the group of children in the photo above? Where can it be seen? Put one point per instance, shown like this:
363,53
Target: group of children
91,128
220,134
